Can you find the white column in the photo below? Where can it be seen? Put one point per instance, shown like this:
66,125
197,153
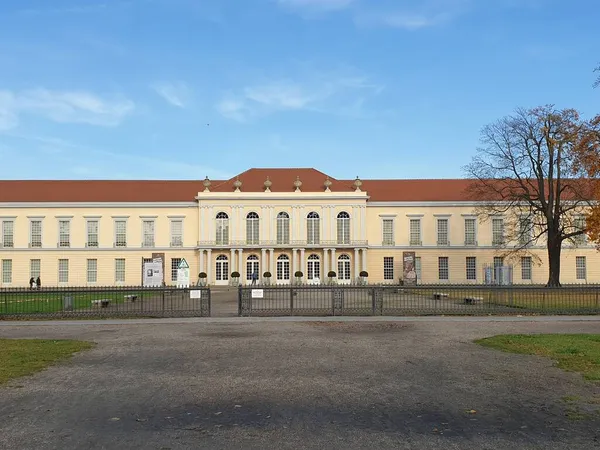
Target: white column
201,261
326,262
263,222
272,267
294,260
272,228
364,259
232,261
201,225
301,224
302,264
363,223
333,260
356,264
263,262
211,225
241,265
332,224
209,266
354,223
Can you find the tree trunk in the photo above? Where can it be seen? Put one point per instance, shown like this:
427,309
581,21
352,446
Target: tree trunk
554,249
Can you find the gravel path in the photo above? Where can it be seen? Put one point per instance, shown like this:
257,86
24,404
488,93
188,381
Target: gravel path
299,384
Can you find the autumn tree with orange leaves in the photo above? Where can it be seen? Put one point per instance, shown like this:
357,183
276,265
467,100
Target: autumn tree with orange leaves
531,170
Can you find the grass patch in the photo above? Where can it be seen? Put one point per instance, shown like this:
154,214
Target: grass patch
19,357
573,352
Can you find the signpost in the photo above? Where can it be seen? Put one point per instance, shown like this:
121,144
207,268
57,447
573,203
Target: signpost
183,274
153,273
409,268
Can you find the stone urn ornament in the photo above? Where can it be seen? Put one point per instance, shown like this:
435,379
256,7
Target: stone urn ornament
268,183
357,184
206,184
237,184
327,185
298,184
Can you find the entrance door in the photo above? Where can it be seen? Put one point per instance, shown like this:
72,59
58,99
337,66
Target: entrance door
252,267
344,269
313,269
283,269
222,270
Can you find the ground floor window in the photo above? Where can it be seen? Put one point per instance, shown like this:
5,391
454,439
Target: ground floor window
222,268
313,267
471,264
283,267
120,270
388,268
580,268
252,267
63,270
526,268
92,270
174,268
7,271
418,267
35,268
443,268
343,267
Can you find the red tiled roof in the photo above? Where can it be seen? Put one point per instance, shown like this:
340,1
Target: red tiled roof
252,181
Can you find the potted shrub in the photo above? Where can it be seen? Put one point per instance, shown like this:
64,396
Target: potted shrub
202,279
331,275
298,274
363,276
267,278
235,278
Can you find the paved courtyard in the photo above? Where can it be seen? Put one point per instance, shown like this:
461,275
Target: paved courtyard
246,383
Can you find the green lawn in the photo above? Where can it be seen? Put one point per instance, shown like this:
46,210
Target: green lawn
19,357
573,352
32,302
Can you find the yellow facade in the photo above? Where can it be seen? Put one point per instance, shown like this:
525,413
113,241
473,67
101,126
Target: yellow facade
313,245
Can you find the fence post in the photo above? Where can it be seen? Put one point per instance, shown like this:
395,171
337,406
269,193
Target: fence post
163,301
337,299
377,300
245,301
291,301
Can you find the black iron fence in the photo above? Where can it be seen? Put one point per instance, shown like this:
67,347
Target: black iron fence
104,302
416,300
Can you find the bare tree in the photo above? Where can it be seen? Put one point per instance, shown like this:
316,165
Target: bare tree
525,172
597,82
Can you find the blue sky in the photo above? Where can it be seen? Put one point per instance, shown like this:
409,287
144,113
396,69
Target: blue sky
173,89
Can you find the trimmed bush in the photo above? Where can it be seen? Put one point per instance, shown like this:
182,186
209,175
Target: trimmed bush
298,274
202,275
364,273
331,274
235,274
267,274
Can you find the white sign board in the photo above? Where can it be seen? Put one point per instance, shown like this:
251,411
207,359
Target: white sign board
257,293
196,293
153,273
183,274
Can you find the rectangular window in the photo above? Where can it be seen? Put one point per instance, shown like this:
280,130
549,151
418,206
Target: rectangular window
388,268
418,267
176,233
470,231
35,231
497,231
148,233
63,270
92,270
92,233
442,232
526,268
35,268
388,231
415,232
120,270
498,263
120,233
525,231
64,233
7,271
443,273
580,268
579,225
8,227
174,267
471,263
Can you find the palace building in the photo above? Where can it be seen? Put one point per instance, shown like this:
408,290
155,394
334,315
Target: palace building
99,233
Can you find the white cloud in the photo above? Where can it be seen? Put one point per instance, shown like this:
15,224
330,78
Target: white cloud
177,94
316,5
334,93
404,20
63,107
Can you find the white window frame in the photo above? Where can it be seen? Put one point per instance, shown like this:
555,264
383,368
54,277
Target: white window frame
3,242
252,228
66,272
175,268
31,221
418,268
174,242
116,234
417,242
472,243
68,221
440,268
388,268
581,269
391,241
222,229
38,273
91,270
283,228
7,272
441,242
525,239
88,221
495,241
313,229
118,272
526,269
151,220
471,270
343,228
582,238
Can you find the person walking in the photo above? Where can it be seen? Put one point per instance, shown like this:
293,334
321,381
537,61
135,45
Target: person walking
254,278
31,283
38,283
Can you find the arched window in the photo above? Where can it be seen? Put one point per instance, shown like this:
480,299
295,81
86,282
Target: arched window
222,229
344,268
252,228
222,268
313,267
313,228
283,268
343,228
252,266
283,228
